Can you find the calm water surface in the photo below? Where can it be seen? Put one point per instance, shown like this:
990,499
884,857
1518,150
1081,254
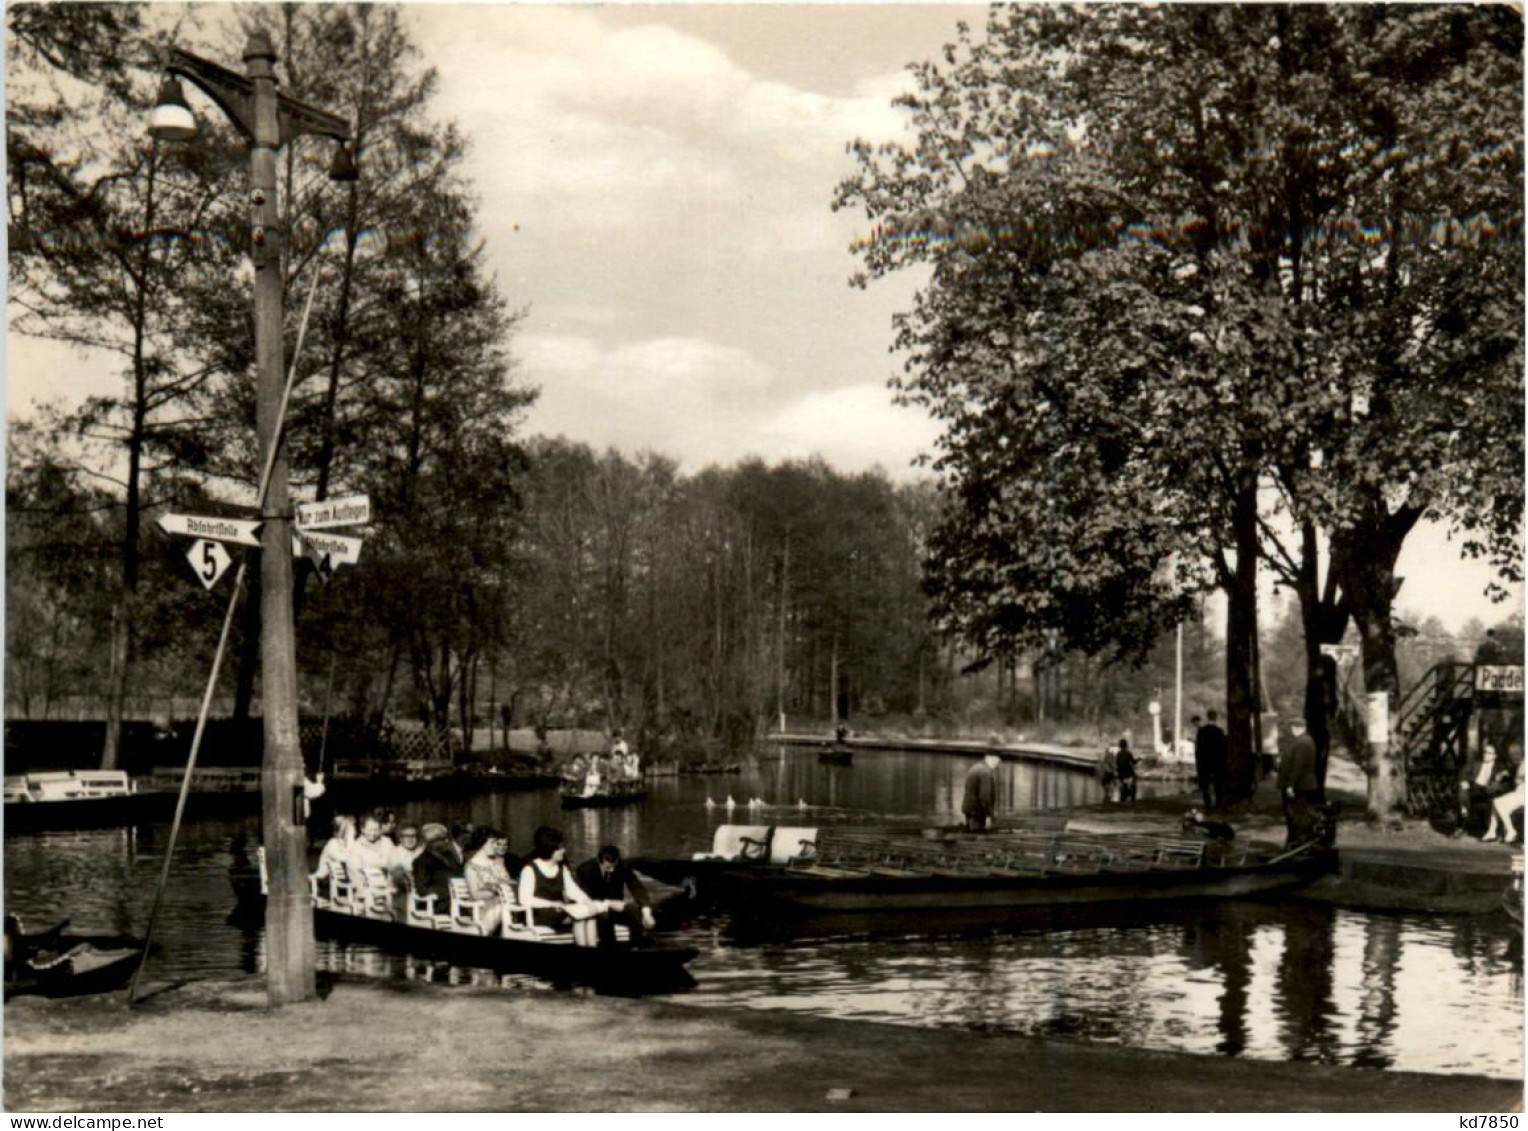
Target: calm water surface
1259,980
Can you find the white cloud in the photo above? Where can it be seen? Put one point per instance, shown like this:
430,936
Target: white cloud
857,427
704,403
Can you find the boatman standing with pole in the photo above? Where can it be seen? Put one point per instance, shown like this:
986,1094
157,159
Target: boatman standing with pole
980,802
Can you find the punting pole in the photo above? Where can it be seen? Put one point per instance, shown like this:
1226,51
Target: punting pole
217,663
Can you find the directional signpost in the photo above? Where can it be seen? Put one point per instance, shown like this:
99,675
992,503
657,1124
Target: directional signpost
327,551
354,510
244,531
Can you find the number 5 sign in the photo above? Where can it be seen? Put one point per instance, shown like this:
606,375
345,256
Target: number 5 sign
209,559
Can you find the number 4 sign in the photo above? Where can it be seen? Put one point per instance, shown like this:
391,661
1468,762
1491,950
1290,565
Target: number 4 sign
209,559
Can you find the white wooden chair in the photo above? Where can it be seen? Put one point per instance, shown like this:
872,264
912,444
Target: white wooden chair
467,914
372,894
314,886
422,911
341,888
520,923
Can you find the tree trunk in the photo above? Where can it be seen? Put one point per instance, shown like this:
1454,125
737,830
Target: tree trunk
1324,619
1241,623
1365,556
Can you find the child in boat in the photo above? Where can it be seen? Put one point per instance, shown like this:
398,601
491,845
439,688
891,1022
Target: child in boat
548,888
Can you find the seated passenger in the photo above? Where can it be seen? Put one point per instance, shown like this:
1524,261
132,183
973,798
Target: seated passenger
389,822
336,849
597,780
410,845
437,866
371,849
488,877
609,880
574,770
547,885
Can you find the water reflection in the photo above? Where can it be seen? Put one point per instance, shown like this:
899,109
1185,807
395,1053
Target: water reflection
1275,981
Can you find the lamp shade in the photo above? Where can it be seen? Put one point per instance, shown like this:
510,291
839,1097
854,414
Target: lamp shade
342,166
171,119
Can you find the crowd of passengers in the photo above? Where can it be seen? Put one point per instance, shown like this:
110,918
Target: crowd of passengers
617,771
422,860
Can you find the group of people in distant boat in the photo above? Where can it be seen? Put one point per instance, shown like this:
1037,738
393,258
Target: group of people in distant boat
422,860
618,770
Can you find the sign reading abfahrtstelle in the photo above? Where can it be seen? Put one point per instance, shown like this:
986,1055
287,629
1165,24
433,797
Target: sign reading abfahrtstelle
244,531
336,549
353,510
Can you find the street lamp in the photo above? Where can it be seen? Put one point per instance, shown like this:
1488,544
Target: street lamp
268,120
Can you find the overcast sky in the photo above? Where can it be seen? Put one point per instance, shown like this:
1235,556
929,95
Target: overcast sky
655,185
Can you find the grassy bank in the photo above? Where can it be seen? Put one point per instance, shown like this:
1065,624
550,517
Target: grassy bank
408,1046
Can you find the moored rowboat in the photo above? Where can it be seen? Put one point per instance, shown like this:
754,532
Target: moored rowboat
54,963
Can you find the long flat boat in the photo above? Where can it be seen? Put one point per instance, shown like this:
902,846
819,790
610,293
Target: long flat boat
622,968
77,799
857,871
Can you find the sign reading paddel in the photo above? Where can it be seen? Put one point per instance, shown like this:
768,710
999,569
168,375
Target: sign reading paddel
353,510
245,531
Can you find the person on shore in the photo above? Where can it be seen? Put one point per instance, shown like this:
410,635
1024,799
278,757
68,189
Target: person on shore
1210,762
979,805
1107,772
1502,808
1298,786
436,866
1490,649
488,876
548,888
609,879
1124,769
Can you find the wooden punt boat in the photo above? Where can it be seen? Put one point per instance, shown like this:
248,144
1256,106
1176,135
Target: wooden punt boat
859,871
619,969
84,799
602,800
54,963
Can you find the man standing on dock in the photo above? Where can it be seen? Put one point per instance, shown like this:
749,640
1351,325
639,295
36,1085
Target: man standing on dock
980,802
1298,785
1210,762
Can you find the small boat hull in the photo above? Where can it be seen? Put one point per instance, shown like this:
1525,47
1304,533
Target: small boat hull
836,755
771,890
602,800
129,809
93,965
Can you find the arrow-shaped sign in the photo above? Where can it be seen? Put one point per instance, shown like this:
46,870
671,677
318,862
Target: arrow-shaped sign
244,531
353,510
336,548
